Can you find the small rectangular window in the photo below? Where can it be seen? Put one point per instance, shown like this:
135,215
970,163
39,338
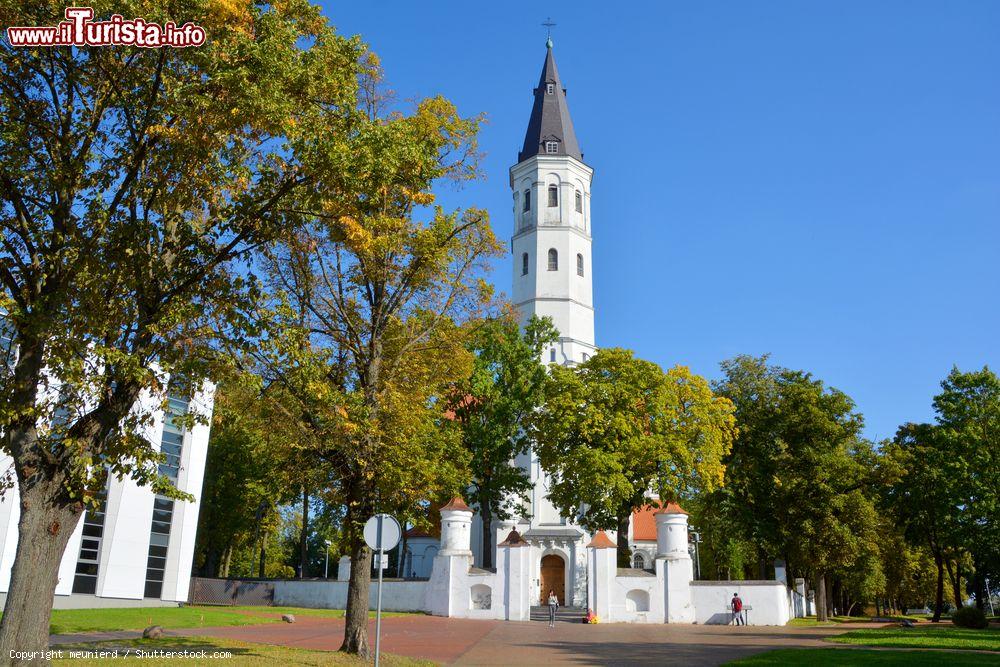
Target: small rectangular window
552,147
552,355
524,264
527,200
553,196
579,264
550,88
579,202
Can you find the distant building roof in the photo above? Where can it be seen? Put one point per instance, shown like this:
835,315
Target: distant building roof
644,523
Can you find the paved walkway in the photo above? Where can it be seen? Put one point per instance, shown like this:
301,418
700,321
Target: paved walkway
467,642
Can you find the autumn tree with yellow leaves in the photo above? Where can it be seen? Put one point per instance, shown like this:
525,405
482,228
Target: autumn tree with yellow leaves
361,332
134,183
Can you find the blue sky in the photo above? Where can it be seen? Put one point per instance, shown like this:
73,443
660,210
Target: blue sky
815,180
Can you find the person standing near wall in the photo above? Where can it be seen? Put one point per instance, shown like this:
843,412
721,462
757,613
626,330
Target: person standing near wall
553,605
737,605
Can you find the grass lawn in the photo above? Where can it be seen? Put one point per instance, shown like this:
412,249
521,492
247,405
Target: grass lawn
243,653
810,657
925,636
810,621
72,621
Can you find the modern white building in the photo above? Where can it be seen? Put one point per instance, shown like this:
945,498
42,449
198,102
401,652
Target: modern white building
136,547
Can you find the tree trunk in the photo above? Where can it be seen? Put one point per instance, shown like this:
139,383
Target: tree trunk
227,559
624,553
979,585
356,618
486,514
359,508
939,590
263,558
821,611
956,581
304,535
44,528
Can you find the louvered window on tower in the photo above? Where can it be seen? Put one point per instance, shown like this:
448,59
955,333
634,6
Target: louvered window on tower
553,260
553,196
550,88
527,200
552,147
579,264
579,202
524,264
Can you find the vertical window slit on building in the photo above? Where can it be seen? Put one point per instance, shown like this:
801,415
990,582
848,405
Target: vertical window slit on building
524,264
171,444
88,561
553,260
553,195
579,264
527,200
579,202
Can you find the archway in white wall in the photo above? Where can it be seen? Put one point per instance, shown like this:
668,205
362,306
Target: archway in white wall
562,568
480,597
637,600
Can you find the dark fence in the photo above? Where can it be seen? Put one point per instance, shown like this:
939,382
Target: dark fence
231,592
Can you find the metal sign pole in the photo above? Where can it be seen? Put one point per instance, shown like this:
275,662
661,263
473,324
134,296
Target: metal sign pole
378,603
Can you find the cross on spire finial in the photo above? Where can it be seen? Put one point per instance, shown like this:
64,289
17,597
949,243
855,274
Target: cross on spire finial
548,24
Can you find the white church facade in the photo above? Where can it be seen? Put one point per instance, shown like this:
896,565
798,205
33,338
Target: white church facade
541,550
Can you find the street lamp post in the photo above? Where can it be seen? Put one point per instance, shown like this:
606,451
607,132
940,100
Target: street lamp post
326,566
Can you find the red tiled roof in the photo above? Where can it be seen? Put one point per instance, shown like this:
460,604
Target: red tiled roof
644,524
602,541
420,532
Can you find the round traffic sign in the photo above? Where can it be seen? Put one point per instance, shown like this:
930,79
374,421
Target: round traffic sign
386,526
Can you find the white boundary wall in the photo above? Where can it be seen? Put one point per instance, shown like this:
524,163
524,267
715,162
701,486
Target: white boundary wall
396,595
770,602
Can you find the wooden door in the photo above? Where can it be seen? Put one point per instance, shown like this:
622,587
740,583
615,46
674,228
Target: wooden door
553,578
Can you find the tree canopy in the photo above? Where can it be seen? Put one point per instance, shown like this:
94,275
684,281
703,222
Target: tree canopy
616,429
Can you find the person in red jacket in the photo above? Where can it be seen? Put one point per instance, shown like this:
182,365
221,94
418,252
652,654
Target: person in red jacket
737,605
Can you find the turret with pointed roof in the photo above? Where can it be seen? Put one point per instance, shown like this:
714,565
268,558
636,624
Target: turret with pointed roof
550,121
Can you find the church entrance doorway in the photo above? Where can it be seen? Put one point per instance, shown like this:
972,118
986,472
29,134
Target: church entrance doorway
553,578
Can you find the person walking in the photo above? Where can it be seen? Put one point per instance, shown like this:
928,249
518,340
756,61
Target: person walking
737,605
553,605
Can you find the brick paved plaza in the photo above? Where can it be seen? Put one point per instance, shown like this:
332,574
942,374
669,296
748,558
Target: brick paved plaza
473,642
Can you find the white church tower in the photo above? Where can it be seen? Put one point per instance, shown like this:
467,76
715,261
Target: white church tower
552,277
551,243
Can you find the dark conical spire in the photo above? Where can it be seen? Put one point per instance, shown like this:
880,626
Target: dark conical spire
550,119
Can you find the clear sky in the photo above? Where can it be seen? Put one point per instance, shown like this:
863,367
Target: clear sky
815,180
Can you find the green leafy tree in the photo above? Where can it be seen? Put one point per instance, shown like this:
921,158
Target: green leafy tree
918,494
968,424
615,429
131,180
798,479
492,406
